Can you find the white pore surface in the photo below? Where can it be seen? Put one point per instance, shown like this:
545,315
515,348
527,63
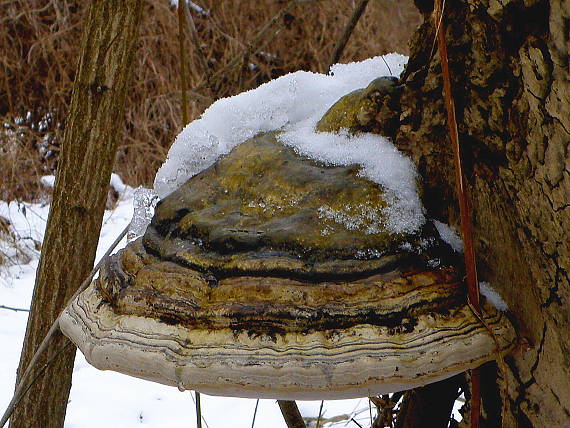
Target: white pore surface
294,103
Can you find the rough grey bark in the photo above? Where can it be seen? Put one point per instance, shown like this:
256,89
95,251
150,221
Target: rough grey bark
511,81
89,145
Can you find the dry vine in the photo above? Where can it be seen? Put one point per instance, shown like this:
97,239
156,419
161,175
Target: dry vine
473,295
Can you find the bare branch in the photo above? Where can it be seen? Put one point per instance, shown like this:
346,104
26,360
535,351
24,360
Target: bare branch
320,414
194,38
198,410
14,309
254,413
182,53
291,414
41,371
259,41
343,40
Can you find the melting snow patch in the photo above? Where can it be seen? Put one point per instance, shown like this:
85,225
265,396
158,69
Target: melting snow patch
362,217
497,301
449,235
48,181
144,203
117,183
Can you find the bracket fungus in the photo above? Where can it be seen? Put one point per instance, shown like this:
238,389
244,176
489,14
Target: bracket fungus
244,285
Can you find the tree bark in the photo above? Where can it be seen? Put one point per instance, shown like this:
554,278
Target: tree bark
291,414
430,406
90,141
511,82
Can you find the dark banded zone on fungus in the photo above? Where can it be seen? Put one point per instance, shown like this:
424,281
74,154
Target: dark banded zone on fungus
176,294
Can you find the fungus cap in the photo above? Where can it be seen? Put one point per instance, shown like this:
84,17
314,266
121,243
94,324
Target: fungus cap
242,286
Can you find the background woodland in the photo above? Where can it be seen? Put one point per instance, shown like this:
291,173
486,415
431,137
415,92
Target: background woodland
39,45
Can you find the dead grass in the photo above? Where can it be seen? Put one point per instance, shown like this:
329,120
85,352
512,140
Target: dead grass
39,42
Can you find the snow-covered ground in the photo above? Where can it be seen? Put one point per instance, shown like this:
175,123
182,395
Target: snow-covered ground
111,399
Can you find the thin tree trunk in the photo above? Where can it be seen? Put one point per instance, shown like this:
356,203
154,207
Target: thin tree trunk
92,133
291,414
511,81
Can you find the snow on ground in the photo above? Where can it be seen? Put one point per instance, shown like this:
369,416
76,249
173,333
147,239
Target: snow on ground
111,399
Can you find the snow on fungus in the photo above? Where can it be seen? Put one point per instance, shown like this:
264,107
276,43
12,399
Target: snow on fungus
493,296
273,105
294,103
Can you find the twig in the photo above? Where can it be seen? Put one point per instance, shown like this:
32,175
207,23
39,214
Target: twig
194,38
204,98
202,418
333,420
225,35
42,370
500,359
257,41
389,69
199,10
346,33
291,414
14,309
21,388
320,414
254,413
241,78
182,53
466,226
198,411
353,420
439,22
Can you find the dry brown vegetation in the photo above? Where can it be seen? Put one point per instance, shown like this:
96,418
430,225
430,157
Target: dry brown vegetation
39,42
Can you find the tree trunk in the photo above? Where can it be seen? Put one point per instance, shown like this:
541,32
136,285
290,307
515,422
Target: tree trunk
291,414
91,136
430,406
511,82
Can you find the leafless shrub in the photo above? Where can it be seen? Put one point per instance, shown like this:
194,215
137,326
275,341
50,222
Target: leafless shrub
39,42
